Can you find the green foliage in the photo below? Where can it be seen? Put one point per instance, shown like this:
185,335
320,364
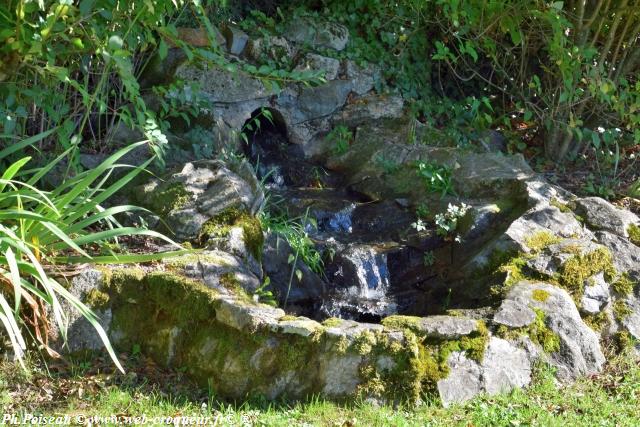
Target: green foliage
341,138
41,230
428,258
577,80
437,177
295,233
254,125
74,66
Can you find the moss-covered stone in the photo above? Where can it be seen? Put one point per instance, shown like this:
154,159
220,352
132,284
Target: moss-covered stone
231,282
634,234
97,299
365,342
221,224
399,322
166,198
541,240
332,322
576,270
429,361
563,207
194,258
538,332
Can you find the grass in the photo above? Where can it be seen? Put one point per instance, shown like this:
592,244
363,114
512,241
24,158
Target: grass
609,398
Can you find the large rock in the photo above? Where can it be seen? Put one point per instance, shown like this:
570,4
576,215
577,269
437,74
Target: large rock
602,215
503,368
626,255
199,192
219,86
318,33
301,294
579,352
364,78
315,62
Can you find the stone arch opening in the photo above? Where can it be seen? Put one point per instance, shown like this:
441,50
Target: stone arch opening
266,143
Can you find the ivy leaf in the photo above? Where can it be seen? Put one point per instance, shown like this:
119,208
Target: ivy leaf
299,275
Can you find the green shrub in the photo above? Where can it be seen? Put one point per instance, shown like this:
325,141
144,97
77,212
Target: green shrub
40,230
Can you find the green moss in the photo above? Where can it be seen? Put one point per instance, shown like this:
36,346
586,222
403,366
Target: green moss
401,323
576,270
434,355
538,332
455,313
513,271
372,383
563,207
623,285
597,322
168,197
194,258
541,240
365,342
621,310
540,295
221,224
342,345
332,322
253,236
231,282
634,234
97,299
149,296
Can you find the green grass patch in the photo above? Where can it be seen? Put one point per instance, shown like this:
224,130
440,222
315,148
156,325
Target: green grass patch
606,399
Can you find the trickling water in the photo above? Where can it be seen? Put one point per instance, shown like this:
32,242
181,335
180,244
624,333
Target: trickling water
341,220
371,268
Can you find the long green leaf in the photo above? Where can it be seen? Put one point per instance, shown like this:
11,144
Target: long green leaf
81,225
111,190
85,183
11,171
14,273
91,317
117,232
12,148
124,258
